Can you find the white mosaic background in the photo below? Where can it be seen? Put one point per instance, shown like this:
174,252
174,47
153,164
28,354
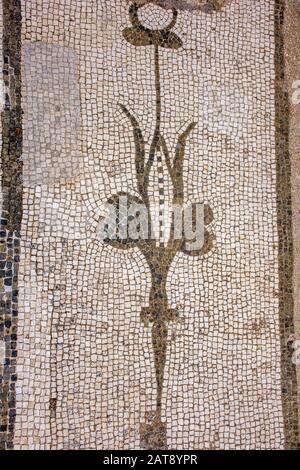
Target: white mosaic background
81,341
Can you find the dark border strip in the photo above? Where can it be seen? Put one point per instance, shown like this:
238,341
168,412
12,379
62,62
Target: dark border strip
11,213
286,255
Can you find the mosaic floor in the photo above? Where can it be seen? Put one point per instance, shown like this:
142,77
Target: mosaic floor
179,117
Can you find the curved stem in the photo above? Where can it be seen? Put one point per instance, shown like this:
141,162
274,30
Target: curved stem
139,150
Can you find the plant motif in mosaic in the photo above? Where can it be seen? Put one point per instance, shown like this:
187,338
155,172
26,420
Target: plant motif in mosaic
159,258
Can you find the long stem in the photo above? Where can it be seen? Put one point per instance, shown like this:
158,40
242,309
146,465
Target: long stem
155,140
159,342
159,328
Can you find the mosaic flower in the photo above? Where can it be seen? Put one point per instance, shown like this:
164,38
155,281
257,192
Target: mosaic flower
139,35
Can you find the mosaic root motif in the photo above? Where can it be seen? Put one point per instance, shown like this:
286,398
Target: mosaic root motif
129,342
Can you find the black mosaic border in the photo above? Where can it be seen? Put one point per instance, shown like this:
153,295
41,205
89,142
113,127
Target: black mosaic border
285,235
11,213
